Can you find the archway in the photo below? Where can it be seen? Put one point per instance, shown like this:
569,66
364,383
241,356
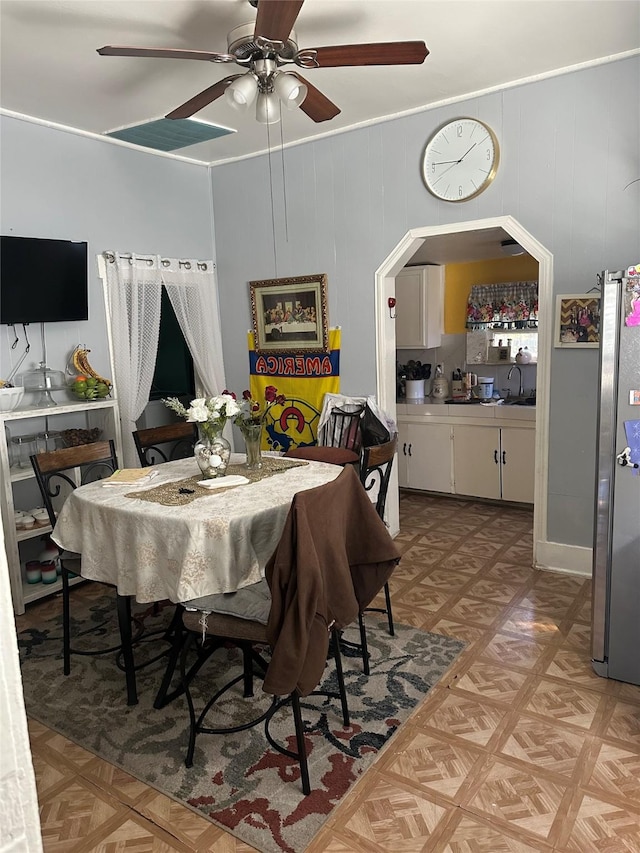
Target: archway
386,355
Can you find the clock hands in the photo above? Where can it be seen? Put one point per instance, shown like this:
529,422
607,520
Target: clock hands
467,151
455,162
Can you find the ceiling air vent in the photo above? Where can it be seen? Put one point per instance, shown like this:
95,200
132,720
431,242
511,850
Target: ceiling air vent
165,134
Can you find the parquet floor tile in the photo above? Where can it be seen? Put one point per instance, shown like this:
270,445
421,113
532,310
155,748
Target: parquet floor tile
473,836
603,826
137,836
515,651
545,745
477,612
520,748
617,771
625,723
493,681
538,626
396,817
565,703
433,764
468,633
573,665
519,797
460,716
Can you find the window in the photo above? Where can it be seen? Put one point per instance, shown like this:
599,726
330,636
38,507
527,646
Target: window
173,376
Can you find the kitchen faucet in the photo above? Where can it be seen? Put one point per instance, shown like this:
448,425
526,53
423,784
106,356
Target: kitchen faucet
511,369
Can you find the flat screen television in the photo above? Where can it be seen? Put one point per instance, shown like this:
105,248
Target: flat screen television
42,281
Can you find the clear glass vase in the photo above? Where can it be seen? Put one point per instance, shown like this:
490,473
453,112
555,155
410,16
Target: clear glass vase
253,440
212,451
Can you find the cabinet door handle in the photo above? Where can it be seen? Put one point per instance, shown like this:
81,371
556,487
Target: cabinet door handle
504,457
404,449
495,457
410,446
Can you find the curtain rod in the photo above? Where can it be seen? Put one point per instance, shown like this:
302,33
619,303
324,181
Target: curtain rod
165,262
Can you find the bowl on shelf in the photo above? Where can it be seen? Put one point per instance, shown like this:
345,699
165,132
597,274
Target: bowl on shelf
74,437
10,398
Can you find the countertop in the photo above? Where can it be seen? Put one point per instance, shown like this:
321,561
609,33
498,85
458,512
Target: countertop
430,408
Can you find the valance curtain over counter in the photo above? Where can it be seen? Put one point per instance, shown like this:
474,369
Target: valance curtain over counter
133,286
507,302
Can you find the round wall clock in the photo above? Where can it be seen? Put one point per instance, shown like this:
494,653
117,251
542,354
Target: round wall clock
460,160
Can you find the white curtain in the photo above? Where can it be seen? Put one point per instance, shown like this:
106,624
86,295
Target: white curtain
133,285
193,292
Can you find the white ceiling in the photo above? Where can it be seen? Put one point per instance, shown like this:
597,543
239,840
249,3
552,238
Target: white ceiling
50,69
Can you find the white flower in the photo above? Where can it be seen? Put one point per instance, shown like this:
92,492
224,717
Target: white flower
198,412
232,408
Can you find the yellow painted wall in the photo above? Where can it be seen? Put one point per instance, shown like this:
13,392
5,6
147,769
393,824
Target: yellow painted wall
459,278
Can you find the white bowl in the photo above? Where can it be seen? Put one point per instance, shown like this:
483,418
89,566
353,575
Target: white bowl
10,398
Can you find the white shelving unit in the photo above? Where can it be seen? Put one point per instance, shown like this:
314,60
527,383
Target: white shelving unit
20,489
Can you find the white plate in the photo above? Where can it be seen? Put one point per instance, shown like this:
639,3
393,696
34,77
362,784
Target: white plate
224,482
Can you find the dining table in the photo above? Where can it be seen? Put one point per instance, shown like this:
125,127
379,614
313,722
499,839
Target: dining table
176,538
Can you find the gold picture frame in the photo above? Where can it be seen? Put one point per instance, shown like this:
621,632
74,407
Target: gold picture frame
290,314
577,321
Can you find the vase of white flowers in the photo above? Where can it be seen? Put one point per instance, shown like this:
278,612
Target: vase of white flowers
212,451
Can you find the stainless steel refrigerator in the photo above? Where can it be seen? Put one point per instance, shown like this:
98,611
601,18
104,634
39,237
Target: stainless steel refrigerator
615,643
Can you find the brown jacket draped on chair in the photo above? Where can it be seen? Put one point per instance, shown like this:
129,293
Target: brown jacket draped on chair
342,554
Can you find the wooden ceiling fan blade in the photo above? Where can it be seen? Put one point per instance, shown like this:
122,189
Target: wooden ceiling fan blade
316,105
202,99
164,53
276,18
380,53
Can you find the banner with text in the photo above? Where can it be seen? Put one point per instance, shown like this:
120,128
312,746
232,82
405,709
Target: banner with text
304,379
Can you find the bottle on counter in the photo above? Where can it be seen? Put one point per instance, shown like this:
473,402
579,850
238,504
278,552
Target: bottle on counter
440,385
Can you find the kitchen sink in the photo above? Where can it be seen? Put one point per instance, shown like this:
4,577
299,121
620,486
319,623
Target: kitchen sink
520,401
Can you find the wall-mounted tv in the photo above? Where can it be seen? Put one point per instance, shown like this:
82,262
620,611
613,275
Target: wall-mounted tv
42,281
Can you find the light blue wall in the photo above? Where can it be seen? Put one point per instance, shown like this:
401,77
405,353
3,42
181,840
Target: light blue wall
569,146
65,186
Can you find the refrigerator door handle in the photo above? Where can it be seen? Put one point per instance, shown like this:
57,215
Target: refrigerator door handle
624,459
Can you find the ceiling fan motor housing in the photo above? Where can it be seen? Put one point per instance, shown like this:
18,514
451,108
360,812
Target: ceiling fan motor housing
242,44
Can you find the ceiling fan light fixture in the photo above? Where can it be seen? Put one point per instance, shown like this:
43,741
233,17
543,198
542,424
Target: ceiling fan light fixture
290,90
268,108
242,92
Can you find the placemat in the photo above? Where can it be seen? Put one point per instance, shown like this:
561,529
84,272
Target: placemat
181,492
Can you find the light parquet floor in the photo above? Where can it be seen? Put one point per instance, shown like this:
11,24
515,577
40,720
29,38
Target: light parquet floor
521,748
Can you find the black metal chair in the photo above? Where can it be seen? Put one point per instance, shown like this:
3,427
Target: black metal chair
340,439
246,634
375,472
58,472
252,617
165,443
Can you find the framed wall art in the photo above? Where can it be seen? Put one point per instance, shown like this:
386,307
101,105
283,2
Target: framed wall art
577,320
290,314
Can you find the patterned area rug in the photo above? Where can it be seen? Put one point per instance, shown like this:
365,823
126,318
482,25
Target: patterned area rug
237,781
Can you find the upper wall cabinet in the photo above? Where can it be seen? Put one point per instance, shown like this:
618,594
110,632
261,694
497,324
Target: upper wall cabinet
419,307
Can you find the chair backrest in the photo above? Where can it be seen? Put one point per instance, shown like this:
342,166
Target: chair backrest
343,428
333,557
60,471
165,443
375,469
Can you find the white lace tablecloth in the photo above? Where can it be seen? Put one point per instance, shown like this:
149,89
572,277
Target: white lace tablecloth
217,543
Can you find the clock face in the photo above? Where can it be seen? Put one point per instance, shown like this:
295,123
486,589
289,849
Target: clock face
460,160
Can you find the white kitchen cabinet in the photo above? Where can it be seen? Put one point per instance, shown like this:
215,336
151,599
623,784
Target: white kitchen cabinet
424,456
518,457
419,307
494,462
19,487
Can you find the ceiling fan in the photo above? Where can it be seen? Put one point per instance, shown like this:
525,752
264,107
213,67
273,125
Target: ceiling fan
262,48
